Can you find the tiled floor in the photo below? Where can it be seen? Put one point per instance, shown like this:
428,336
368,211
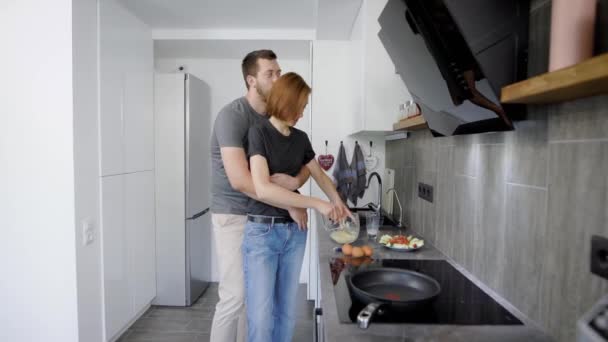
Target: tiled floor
170,324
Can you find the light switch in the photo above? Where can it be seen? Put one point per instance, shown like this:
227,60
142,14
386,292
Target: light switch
88,231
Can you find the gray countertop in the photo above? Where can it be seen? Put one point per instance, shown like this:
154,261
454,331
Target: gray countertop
335,330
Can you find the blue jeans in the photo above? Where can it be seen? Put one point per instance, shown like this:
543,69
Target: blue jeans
272,259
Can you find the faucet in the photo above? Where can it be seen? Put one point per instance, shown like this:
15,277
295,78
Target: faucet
376,207
398,203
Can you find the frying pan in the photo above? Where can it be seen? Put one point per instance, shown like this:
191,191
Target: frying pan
400,289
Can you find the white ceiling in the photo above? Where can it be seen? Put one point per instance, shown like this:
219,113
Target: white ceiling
225,14
229,49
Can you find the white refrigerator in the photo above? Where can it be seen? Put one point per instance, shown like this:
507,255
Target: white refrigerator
183,221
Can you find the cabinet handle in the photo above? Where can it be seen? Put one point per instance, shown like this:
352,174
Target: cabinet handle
194,217
316,313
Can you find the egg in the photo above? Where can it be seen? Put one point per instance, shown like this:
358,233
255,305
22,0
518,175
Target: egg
347,249
357,252
367,250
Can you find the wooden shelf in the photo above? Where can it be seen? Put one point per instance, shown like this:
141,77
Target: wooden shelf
584,79
410,124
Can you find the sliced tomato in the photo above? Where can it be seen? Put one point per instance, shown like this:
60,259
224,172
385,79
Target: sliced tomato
400,239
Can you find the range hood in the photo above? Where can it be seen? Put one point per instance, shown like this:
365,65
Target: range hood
454,56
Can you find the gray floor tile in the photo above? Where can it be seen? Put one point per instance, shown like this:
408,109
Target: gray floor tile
124,336
162,324
193,324
164,312
204,306
203,338
199,325
161,336
302,337
303,332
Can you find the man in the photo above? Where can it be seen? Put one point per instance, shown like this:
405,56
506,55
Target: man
232,187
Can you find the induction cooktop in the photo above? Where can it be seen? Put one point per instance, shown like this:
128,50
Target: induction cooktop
460,301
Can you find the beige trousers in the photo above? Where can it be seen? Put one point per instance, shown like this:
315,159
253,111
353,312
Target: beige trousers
230,320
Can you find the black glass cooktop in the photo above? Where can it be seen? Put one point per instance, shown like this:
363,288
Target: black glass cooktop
460,302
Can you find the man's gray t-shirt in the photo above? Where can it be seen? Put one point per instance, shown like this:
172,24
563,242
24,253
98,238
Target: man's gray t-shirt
230,130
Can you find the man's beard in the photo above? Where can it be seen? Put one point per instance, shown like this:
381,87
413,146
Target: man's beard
263,95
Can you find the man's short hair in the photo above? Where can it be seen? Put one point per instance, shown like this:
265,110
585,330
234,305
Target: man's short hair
288,97
250,62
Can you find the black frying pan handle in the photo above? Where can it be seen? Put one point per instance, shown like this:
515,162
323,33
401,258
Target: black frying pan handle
365,316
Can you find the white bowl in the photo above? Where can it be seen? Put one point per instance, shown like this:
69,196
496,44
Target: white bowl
343,232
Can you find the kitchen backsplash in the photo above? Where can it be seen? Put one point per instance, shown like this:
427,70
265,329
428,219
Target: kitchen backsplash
518,209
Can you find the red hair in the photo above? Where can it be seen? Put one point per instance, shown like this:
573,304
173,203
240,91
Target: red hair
288,97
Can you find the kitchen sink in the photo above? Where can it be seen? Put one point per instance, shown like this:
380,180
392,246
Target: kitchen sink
386,219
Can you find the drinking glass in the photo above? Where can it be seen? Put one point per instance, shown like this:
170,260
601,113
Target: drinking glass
372,223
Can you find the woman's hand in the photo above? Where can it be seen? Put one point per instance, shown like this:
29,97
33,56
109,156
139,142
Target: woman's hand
300,216
328,210
285,181
341,209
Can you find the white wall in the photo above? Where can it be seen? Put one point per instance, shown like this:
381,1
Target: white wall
37,253
225,79
336,78
86,168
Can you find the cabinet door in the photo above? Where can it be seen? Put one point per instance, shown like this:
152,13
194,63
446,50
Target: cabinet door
111,117
313,266
140,226
334,100
126,69
138,121
115,255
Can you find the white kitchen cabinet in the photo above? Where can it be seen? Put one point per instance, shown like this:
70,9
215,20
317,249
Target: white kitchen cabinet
126,92
381,90
111,122
138,121
128,247
115,255
141,237
335,95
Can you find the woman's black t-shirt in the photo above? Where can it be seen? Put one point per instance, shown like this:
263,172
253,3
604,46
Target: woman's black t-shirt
284,154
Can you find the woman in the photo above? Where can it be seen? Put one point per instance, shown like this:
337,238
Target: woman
273,246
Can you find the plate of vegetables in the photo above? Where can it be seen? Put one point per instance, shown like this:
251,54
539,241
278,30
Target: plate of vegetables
401,243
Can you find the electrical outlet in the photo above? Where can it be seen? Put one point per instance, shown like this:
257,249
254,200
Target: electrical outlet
425,192
599,256
88,232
